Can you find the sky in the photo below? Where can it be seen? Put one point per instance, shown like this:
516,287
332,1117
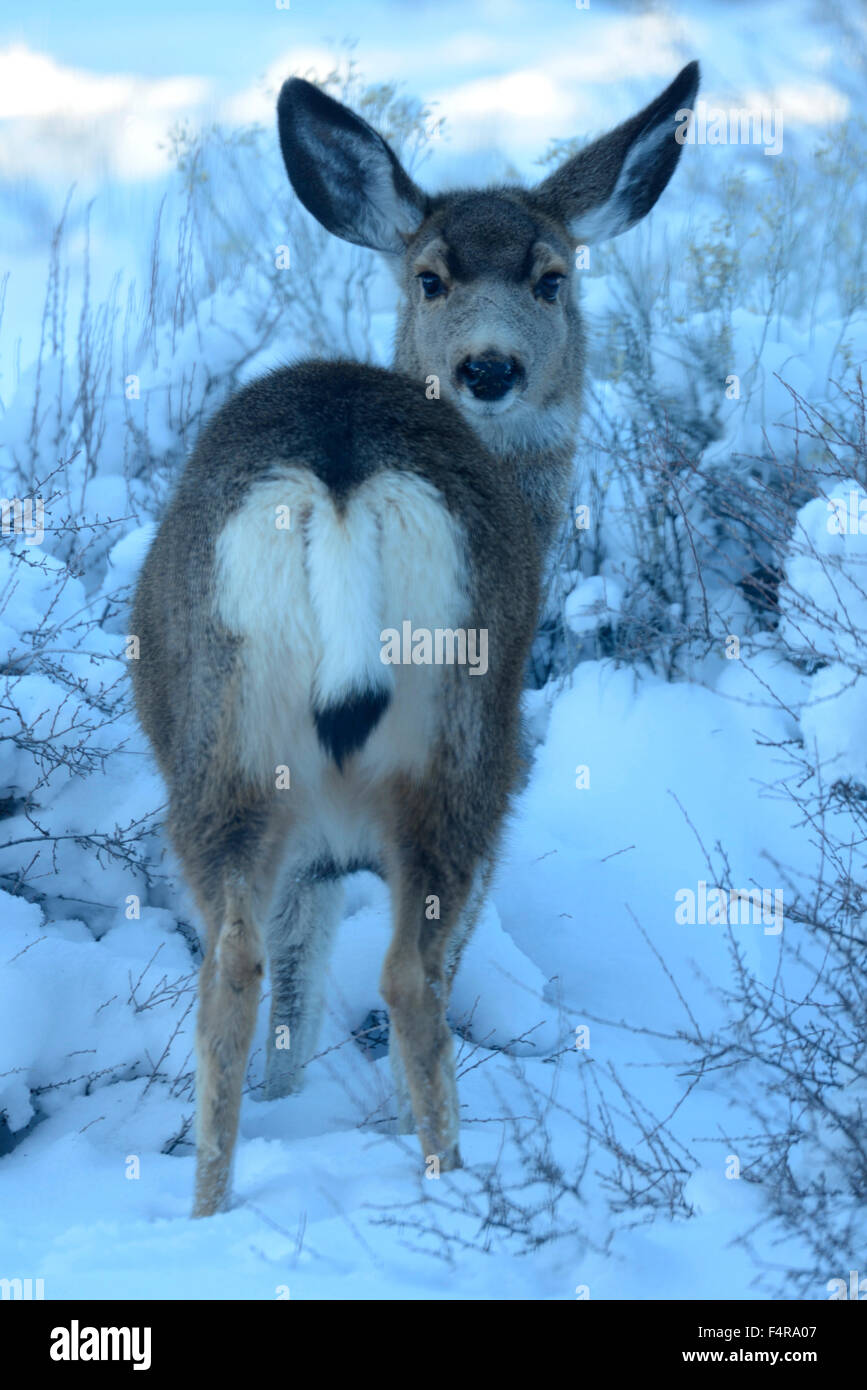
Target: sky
88,90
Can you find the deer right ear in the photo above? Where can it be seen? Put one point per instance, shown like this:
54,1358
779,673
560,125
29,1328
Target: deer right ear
343,171
607,187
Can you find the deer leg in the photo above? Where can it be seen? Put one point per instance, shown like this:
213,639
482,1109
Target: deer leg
300,933
465,925
456,941
405,1116
231,868
415,987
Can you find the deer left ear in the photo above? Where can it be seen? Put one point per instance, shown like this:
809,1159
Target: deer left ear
608,187
343,171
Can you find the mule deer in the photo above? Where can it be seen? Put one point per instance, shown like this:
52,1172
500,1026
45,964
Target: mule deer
328,503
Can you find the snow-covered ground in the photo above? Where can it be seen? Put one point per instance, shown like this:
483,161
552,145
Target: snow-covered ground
622,1066
560,946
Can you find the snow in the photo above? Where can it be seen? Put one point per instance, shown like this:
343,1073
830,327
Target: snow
559,945
597,1150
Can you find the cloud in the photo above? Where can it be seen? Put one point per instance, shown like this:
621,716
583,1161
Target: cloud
256,102
805,103
66,122
509,109
582,86
537,89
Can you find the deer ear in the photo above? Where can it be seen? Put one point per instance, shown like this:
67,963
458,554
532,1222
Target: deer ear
609,186
344,172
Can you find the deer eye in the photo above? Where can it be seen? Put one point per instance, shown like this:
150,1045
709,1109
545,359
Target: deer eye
431,284
548,286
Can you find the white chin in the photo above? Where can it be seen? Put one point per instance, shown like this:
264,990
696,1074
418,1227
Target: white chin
511,425
486,410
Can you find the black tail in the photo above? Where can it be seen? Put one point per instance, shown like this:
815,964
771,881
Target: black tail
344,728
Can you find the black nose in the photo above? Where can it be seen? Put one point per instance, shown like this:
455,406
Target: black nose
489,378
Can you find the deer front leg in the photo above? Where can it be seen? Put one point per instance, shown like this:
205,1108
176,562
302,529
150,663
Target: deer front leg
300,934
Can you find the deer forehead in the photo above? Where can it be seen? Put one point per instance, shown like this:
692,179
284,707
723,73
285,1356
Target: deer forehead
488,236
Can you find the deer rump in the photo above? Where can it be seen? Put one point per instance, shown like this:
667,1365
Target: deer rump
312,602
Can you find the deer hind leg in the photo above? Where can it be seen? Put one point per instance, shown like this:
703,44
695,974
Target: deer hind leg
301,930
415,987
405,1116
456,940
231,869
466,923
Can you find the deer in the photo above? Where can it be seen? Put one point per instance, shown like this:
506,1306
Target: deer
331,502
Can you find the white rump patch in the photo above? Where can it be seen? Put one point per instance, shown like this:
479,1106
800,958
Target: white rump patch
311,602
345,582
